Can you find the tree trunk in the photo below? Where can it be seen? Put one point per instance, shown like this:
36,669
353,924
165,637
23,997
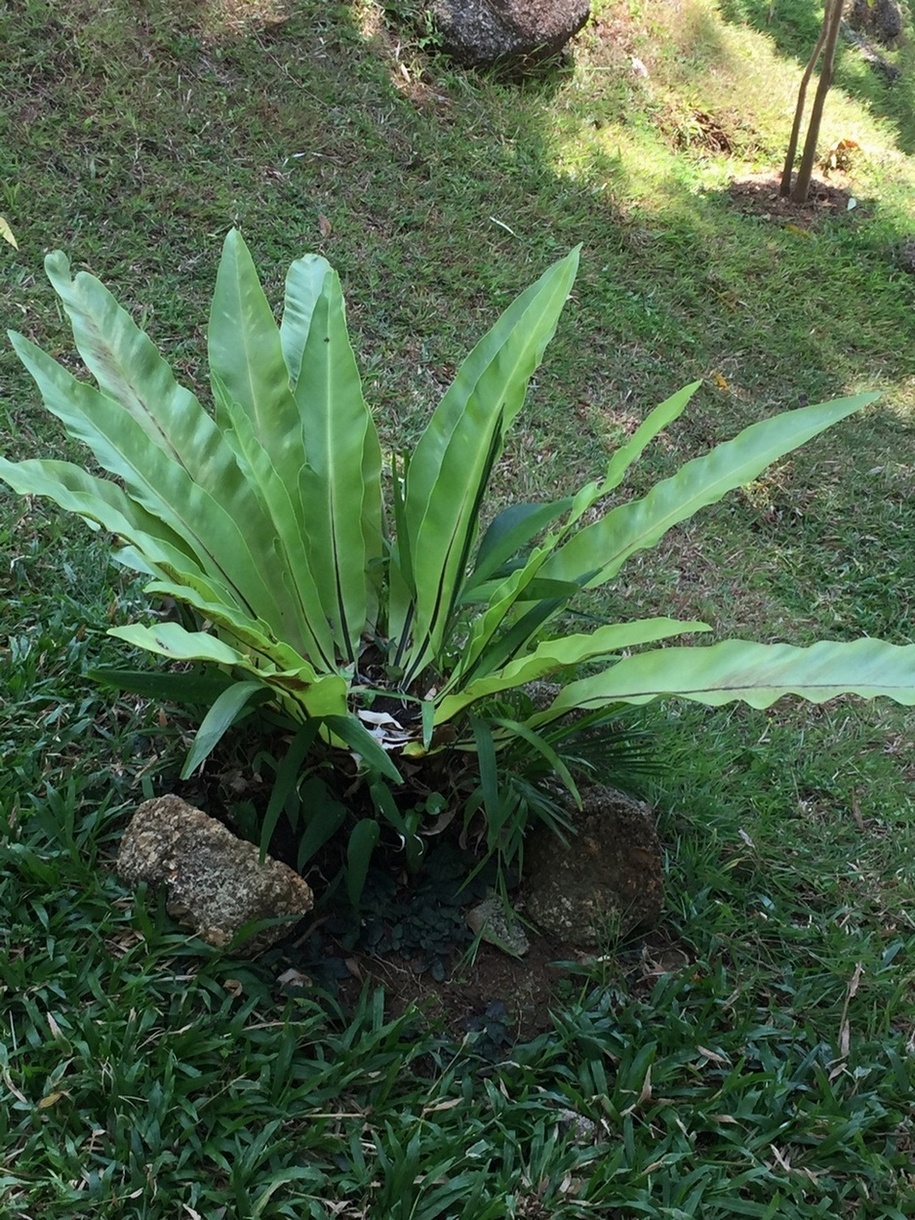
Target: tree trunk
831,22
785,187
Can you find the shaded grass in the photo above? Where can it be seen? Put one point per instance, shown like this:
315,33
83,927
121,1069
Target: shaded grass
739,1063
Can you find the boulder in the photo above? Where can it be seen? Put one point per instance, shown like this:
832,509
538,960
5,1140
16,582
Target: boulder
880,19
607,882
214,881
480,32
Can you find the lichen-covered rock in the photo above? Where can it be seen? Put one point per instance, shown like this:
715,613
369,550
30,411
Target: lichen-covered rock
478,32
608,880
214,881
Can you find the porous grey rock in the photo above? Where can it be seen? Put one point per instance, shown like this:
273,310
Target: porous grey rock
480,32
214,881
608,880
498,925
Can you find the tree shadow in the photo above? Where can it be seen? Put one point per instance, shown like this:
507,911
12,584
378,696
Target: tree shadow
438,194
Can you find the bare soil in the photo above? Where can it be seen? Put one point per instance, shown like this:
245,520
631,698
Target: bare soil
757,195
482,992
503,999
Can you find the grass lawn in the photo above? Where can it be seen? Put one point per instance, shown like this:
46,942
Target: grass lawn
754,1056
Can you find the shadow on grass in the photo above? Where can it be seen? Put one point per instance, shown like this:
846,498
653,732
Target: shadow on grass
136,142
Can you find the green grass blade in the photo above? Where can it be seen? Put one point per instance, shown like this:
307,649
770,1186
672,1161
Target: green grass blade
603,547
362,842
405,825
757,674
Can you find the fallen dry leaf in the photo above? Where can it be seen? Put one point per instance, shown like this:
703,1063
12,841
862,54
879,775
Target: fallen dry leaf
293,978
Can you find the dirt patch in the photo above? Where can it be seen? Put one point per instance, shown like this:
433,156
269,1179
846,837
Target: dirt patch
496,999
489,1000
411,938
757,195
493,1001
474,993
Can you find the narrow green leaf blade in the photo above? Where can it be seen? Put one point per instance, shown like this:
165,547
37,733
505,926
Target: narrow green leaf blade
453,458
359,739
511,530
100,502
305,282
298,688
546,751
341,484
602,548
209,521
129,369
757,674
279,495
287,778
197,686
488,769
654,422
362,842
245,350
201,482
262,422
226,711
173,641
324,817
7,233
562,653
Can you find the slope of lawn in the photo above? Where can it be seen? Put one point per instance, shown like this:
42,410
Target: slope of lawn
754,1056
